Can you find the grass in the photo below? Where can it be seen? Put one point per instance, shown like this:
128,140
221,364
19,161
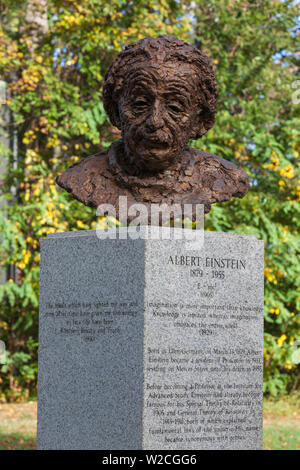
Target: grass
281,424
281,438
18,426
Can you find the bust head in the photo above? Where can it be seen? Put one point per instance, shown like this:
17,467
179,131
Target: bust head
160,92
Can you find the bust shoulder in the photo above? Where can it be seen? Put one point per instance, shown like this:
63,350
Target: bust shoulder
201,178
222,177
89,180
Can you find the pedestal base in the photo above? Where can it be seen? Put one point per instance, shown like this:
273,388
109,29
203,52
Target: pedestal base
144,344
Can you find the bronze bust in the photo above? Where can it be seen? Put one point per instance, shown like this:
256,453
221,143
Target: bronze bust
160,92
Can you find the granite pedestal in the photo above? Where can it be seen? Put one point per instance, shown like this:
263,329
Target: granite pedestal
145,344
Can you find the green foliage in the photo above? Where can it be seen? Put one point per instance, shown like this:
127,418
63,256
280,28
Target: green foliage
55,80
281,438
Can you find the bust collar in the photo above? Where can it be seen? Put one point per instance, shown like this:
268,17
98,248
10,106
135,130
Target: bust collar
165,179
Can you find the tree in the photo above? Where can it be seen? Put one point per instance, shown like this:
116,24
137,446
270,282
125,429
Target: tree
55,76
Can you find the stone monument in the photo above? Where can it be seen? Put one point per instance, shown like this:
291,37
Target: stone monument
148,341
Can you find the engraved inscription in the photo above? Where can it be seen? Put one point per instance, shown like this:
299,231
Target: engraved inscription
89,320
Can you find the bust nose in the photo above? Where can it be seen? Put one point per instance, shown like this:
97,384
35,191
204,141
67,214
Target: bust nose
155,120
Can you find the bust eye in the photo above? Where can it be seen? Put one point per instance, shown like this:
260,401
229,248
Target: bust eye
174,108
140,103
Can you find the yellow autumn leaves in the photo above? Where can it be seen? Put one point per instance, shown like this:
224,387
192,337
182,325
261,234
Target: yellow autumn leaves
269,274
287,172
275,162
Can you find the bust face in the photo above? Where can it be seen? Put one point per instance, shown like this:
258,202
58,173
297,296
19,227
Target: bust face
157,111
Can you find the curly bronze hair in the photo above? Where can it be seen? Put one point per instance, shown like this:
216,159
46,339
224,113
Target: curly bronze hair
162,49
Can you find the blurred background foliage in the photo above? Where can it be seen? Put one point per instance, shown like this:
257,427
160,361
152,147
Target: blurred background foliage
53,56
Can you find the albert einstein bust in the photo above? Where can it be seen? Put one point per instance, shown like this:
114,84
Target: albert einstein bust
160,92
